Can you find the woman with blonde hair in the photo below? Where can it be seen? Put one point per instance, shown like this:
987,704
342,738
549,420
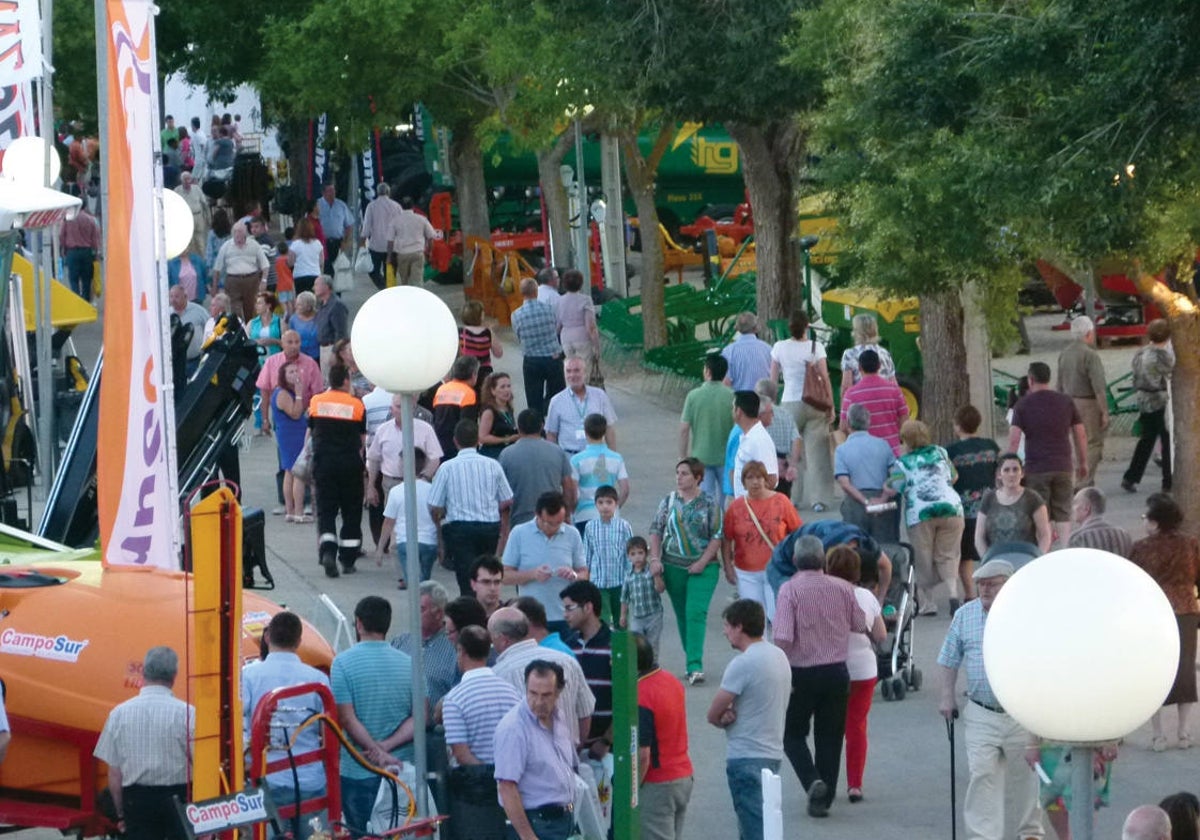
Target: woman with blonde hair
933,512
304,322
754,524
865,331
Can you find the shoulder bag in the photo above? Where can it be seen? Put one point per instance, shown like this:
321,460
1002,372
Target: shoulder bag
757,524
817,392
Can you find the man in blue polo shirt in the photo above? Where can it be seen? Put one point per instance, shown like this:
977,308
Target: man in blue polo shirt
543,556
372,686
861,466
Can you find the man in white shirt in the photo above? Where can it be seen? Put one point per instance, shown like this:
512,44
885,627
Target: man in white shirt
756,443
199,150
410,235
378,232
547,280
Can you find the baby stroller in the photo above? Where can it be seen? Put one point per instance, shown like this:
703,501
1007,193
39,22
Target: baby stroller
898,674
1017,553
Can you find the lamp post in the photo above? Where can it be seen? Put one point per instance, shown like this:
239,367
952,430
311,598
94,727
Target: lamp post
405,339
1081,648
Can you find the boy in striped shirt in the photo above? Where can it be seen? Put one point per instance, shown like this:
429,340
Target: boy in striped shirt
641,595
604,542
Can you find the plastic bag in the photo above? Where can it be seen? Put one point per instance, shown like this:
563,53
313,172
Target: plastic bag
343,273
362,262
389,813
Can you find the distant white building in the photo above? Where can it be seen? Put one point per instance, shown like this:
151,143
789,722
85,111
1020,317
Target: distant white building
183,101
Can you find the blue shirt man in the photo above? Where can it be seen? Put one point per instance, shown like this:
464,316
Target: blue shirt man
536,760
372,686
748,355
336,221
543,556
281,669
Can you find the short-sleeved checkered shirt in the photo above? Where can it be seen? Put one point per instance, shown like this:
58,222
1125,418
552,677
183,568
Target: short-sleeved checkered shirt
604,544
537,330
639,594
964,646
149,738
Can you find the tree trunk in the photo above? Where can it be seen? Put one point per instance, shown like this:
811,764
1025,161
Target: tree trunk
466,165
639,174
554,194
944,354
1181,310
772,157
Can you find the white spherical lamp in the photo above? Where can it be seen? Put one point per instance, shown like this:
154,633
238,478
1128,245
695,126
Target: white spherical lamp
178,223
1081,646
405,339
25,161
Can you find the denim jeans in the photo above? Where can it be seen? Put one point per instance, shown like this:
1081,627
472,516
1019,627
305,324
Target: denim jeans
426,556
546,828
745,786
358,800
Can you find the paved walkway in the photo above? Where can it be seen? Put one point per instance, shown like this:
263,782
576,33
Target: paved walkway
906,785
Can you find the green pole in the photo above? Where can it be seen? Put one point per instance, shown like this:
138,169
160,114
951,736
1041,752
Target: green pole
626,824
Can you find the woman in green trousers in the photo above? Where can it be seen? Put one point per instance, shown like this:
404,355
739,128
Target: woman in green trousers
685,539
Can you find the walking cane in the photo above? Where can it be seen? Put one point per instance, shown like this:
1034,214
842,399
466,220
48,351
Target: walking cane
953,792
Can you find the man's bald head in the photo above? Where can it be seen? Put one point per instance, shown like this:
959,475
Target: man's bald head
1147,822
508,625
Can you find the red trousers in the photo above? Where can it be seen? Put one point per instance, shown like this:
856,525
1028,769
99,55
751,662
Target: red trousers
857,709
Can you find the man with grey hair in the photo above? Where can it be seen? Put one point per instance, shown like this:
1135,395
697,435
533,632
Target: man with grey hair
861,466
547,280
1147,822
1081,377
517,648
378,232
748,355
147,744
440,659
814,619
1092,529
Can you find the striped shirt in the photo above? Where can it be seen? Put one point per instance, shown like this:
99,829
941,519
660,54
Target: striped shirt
604,544
1095,532
473,708
594,467
640,595
537,329
964,645
595,658
886,403
470,488
749,360
148,738
576,699
814,618
376,679
440,662
783,432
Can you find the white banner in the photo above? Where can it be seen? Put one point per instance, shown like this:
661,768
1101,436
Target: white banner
139,508
16,112
20,41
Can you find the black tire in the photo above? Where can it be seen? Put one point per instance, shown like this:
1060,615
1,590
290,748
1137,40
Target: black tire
885,689
898,688
915,679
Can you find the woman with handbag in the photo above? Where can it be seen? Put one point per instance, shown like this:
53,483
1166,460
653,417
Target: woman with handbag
288,418
685,544
809,397
754,524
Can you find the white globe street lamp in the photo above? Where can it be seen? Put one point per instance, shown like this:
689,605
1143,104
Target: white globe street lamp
25,162
405,339
178,224
1081,647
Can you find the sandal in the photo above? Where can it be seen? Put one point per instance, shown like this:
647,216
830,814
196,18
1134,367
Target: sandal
854,794
291,519
304,518
1158,743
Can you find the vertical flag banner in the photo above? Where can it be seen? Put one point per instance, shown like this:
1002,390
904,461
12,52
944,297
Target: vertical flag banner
370,171
20,63
318,156
139,509
20,41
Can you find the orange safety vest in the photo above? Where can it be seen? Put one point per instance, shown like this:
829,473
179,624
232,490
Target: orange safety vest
336,405
454,393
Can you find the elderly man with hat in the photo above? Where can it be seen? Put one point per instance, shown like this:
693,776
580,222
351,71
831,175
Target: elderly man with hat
996,744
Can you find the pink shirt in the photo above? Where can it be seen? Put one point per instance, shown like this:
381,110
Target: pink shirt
814,619
387,445
885,401
310,373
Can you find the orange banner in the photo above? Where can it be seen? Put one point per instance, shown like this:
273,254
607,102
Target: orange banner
137,496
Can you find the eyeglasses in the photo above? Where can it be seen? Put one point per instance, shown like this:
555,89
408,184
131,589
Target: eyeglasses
570,608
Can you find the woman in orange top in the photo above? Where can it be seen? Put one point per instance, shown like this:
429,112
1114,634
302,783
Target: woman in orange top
754,525
1172,558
